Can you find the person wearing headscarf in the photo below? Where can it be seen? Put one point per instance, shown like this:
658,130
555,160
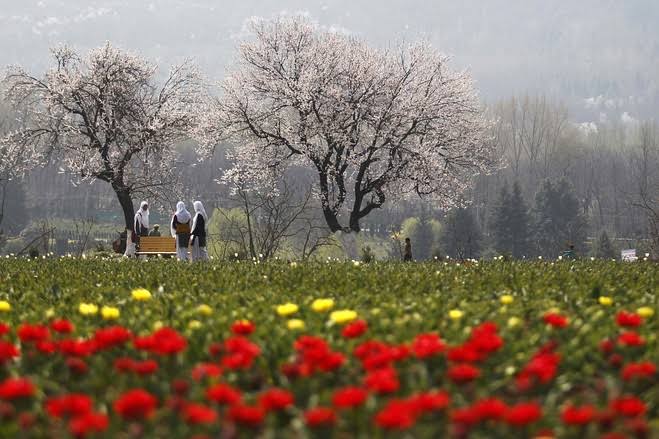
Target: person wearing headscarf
180,228
198,234
140,228
141,220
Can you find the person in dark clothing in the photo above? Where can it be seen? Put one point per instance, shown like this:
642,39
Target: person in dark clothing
407,254
155,231
198,234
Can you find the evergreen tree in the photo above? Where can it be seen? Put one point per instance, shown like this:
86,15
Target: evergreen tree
461,237
604,248
558,221
501,232
521,223
13,210
510,223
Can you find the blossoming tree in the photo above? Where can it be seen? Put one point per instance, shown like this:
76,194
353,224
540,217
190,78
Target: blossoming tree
104,116
371,124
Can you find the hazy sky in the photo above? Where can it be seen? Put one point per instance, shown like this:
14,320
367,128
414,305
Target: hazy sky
596,55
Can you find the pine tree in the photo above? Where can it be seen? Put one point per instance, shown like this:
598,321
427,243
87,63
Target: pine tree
500,223
13,210
558,222
520,221
604,248
510,223
461,236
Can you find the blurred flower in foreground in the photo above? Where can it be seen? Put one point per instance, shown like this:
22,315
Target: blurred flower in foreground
343,316
141,294
287,309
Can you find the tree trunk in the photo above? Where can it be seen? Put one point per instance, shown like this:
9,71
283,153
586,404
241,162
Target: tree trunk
348,240
126,201
331,219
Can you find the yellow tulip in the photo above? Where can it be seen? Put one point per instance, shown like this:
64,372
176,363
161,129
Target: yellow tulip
141,294
287,309
322,305
110,312
157,325
343,316
514,321
605,300
204,310
88,309
506,299
645,312
295,324
455,314
194,324
5,306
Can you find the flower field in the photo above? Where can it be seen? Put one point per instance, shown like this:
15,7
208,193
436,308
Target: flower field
101,348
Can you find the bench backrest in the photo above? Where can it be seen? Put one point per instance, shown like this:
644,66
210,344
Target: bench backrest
157,244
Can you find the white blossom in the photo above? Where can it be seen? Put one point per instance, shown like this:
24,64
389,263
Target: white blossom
375,124
104,117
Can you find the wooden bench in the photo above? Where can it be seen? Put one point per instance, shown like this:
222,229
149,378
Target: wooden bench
157,245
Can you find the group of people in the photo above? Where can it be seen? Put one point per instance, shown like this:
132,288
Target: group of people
189,231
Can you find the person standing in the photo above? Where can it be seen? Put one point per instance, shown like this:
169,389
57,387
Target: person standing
141,221
407,254
140,228
180,228
198,234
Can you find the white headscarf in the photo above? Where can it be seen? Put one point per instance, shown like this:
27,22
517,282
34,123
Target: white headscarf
182,215
199,209
143,215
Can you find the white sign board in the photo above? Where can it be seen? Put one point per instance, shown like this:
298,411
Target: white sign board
628,255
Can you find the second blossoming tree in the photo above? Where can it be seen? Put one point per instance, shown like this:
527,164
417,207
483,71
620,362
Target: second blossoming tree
369,124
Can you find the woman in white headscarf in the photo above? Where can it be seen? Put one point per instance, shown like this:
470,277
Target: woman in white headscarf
198,234
140,228
180,227
141,220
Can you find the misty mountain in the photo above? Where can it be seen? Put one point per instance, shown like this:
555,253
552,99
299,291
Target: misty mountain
601,57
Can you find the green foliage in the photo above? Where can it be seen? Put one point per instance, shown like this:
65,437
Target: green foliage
461,237
226,232
424,233
510,224
558,219
367,255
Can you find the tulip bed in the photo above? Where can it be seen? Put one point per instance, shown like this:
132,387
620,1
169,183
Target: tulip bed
118,348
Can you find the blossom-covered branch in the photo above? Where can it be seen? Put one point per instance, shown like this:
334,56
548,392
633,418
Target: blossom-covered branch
373,124
105,117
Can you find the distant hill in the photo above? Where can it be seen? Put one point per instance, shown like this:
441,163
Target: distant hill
599,56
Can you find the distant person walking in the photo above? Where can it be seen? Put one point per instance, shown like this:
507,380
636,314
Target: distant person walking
180,228
198,234
155,231
407,254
